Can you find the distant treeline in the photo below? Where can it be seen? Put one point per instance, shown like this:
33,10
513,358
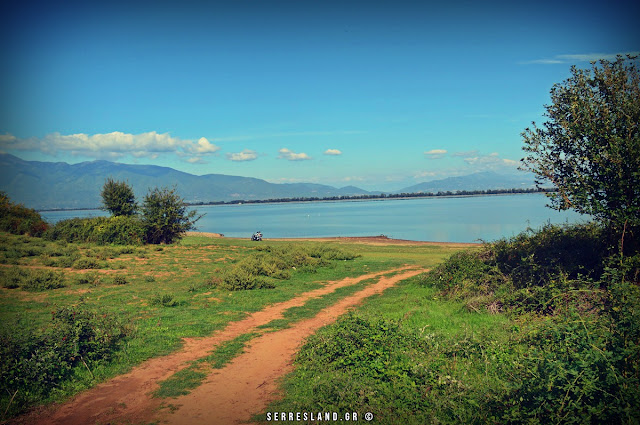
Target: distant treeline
379,196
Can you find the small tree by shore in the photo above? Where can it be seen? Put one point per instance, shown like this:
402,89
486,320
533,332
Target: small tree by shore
165,216
589,147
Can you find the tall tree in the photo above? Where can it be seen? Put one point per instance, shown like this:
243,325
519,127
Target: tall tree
118,198
589,146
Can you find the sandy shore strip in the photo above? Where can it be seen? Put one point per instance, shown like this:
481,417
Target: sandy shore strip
372,240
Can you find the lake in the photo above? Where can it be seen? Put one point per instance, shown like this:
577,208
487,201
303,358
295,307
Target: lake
442,219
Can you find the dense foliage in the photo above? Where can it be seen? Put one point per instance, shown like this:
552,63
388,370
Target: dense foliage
118,198
119,230
18,219
35,363
583,359
589,147
165,216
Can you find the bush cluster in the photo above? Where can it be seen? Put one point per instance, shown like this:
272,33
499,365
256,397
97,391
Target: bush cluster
583,353
32,364
18,219
270,263
119,230
165,300
33,280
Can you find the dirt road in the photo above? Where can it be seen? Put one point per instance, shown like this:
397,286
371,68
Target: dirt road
229,395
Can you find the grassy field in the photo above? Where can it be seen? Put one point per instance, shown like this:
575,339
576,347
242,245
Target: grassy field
150,297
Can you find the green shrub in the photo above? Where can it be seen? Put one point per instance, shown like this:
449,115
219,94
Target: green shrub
580,368
63,262
578,360
13,277
120,280
20,220
92,278
238,278
32,280
466,274
87,263
532,257
73,229
33,364
42,280
165,300
120,230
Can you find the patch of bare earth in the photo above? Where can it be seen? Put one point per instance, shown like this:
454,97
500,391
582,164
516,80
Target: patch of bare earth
229,395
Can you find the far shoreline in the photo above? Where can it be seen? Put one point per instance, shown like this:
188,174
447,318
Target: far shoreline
369,240
407,196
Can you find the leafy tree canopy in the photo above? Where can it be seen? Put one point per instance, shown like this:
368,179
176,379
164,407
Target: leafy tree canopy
118,198
589,146
165,216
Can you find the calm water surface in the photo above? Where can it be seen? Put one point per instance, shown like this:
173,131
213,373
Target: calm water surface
463,219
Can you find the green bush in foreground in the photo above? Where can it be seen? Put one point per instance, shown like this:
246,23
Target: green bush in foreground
582,363
33,364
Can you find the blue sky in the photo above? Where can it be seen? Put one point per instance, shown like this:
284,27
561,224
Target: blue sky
379,95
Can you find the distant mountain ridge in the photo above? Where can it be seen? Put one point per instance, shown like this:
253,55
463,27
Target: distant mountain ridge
51,185
486,180
58,185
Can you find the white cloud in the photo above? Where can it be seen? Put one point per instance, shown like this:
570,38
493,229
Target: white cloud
204,146
292,156
333,152
491,161
112,145
245,155
586,57
435,153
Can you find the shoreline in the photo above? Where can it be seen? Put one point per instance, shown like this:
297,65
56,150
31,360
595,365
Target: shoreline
404,197
371,240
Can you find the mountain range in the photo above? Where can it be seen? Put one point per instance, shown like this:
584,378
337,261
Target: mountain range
58,185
